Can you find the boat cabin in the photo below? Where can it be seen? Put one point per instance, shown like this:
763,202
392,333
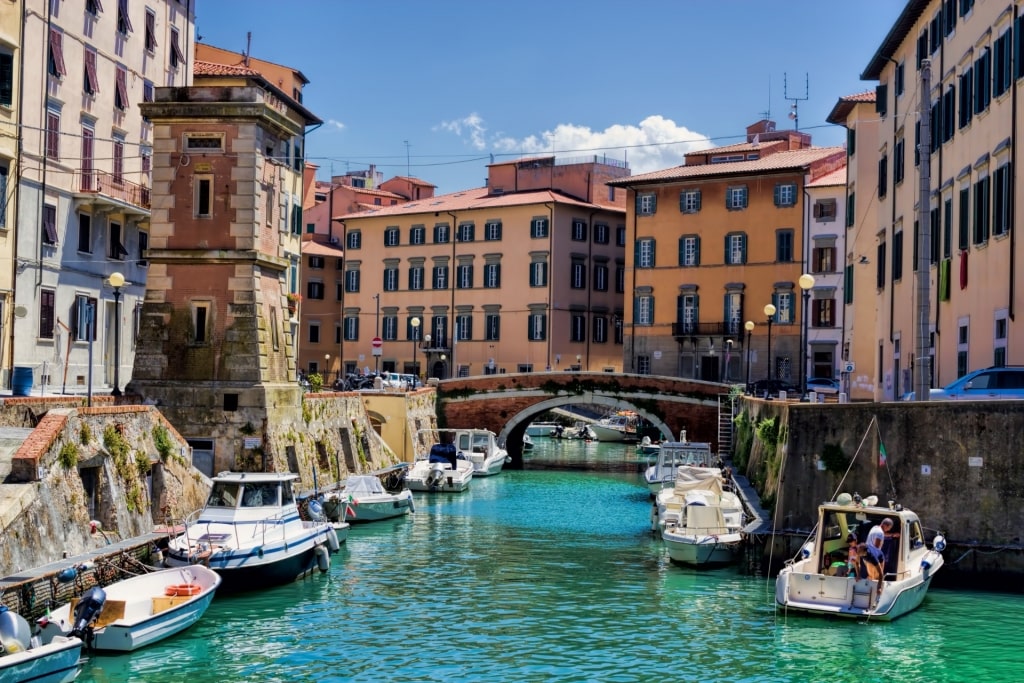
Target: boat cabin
250,493
837,522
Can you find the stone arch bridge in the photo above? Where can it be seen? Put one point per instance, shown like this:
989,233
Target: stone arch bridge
506,404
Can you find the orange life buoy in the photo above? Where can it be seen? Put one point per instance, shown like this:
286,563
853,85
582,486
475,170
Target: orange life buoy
183,589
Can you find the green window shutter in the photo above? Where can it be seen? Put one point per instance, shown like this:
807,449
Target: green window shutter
881,103
651,321
636,253
358,276
680,300
696,250
848,285
775,303
637,200
726,252
544,274
777,195
696,309
636,309
682,250
543,326
497,275
698,200
654,260
743,246
654,203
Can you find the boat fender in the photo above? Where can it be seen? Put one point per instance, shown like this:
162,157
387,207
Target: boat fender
259,552
939,542
333,544
323,559
806,551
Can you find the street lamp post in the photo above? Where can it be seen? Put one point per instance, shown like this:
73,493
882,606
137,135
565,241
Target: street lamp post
415,322
579,358
749,327
769,311
426,353
806,282
327,369
444,367
116,281
376,333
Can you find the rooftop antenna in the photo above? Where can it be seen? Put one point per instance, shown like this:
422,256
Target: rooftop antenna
767,113
794,111
408,167
248,46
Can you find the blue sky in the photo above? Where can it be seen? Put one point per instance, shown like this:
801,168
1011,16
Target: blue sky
460,80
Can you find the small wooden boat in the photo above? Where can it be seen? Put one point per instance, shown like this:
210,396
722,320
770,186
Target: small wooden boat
25,658
135,612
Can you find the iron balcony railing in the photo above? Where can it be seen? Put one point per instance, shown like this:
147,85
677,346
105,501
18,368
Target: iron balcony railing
109,185
721,329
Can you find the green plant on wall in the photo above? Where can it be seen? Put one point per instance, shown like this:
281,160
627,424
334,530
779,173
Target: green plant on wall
835,460
162,441
142,464
307,412
118,448
768,432
68,456
316,382
744,440
84,434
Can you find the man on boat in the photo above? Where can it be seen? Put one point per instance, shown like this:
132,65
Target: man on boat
872,566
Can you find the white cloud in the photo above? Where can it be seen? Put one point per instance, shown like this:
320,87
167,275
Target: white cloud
336,124
655,143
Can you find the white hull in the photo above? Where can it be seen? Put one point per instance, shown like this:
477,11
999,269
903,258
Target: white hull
540,428
55,662
489,465
701,551
382,507
610,434
148,613
451,481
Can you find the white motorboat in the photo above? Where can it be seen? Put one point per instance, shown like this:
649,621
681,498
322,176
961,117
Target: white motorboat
647,447
818,580
700,521
251,534
540,428
479,446
135,612
527,443
618,427
24,657
438,467
661,473
364,499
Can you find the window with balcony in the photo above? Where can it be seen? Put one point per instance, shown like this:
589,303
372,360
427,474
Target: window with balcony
688,313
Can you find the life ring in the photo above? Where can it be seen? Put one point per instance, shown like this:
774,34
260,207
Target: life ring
183,589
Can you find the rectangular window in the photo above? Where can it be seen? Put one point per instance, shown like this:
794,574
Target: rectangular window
85,233
143,248
539,227
389,327
1001,199
391,237
578,328
735,248
52,134
416,278
539,274
784,308
3,196
644,313
645,253
115,244
390,279
578,275
579,231
785,194
351,280
492,327
850,206
200,322
118,166
620,236
883,179
49,224
537,330
897,254
464,274
492,275
55,61
823,313
600,333
982,210
466,232
315,290
441,233
736,198
689,201
83,318
825,210
966,96
601,277
898,162
91,80
203,196
784,246
848,285
964,226
47,313
440,277
983,81
492,231
880,267
176,56
898,79
464,327
600,234
314,333
150,39
689,251
1002,68
6,78
646,203
620,279
823,259
689,313
947,228
418,235
124,24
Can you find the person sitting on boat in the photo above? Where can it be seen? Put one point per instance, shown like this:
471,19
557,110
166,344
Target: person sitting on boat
852,559
872,563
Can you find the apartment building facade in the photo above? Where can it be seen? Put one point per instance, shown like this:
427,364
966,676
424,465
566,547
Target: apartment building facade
972,51
711,245
11,55
822,302
523,275
83,192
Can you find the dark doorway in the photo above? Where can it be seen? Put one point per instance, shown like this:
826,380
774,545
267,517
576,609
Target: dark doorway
709,368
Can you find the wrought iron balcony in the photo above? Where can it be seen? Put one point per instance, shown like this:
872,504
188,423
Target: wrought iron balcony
723,329
116,193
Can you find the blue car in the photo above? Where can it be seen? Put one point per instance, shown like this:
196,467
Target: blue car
981,385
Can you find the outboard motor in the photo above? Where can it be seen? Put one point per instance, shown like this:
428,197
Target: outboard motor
88,610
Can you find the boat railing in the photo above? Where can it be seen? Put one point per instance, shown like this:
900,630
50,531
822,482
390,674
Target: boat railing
259,527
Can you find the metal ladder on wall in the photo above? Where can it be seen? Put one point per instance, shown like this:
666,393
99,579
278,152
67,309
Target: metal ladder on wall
725,425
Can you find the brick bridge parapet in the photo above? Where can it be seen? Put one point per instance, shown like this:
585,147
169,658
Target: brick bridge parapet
506,404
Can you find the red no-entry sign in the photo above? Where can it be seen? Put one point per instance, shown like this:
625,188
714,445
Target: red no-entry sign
378,345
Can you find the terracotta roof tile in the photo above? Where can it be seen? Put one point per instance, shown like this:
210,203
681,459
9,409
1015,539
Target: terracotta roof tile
738,147
779,161
321,249
866,96
414,181
211,69
476,198
836,177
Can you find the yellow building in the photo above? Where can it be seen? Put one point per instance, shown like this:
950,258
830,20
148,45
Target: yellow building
523,275
710,245
974,260
10,113
857,114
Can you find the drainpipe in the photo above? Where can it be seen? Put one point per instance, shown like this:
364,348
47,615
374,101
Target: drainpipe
590,262
46,159
451,284
17,196
891,229
805,342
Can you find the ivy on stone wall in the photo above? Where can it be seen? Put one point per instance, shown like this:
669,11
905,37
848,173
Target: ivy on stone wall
836,461
744,440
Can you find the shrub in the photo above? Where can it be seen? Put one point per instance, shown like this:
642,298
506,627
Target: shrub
68,456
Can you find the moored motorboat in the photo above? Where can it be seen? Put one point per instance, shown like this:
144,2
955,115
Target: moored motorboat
527,443
661,473
819,581
25,658
363,498
135,612
250,533
540,428
618,427
647,447
438,468
699,519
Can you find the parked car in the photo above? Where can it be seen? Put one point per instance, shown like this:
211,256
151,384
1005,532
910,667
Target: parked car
772,387
823,385
981,385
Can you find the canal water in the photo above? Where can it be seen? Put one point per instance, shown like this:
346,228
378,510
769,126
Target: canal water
553,575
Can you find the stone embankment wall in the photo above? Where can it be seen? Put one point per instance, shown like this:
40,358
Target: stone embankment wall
956,464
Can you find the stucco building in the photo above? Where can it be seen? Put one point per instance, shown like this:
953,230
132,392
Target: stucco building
713,242
11,54
974,258
523,275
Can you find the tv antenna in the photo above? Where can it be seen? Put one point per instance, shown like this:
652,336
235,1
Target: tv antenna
408,166
794,109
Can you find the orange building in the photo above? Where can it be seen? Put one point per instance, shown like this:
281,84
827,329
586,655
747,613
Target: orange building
523,275
711,244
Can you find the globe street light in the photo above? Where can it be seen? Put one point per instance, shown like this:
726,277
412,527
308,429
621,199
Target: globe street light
415,323
327,368
806,282
749,327
769,311
426,352
116,281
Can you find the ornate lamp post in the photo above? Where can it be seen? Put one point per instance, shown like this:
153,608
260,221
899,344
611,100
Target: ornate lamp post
415,323
769,311
426,353
806,282
116,281
327,369
749,327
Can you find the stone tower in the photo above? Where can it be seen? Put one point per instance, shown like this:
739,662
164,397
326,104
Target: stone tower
216,335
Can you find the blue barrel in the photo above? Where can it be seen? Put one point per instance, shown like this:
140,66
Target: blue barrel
21,381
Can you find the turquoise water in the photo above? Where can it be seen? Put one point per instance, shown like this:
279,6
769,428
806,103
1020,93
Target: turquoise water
543,575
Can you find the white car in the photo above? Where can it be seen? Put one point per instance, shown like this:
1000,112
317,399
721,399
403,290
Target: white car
823,385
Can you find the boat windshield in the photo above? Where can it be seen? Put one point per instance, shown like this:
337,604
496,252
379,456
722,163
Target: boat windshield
287,495
223,495
259,495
